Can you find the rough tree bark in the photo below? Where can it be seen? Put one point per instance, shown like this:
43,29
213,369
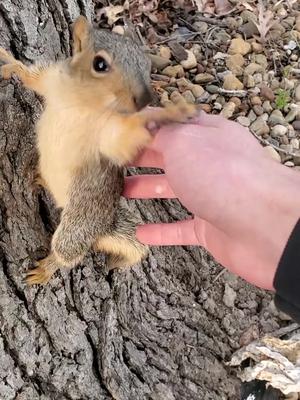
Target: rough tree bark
159,331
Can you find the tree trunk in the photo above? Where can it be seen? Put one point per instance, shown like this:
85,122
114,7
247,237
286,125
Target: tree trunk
159,331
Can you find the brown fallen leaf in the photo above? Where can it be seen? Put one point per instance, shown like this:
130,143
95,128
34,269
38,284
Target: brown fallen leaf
111,13
223,7
218,7
265,21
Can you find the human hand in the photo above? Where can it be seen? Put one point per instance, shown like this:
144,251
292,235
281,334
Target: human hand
245,204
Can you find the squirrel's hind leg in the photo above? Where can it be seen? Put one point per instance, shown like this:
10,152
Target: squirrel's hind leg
121,244
70,243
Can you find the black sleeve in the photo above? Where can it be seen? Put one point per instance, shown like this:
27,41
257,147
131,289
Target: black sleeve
287,277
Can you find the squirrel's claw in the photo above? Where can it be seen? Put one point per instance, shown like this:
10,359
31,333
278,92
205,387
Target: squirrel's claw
42,272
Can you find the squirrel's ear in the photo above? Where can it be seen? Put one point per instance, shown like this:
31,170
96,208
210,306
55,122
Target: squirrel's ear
81,34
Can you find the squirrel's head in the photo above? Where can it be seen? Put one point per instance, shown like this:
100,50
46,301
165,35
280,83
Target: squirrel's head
111,68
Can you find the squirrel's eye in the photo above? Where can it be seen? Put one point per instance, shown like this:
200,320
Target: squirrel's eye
100,64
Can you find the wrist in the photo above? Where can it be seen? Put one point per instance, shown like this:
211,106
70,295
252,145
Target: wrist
281,210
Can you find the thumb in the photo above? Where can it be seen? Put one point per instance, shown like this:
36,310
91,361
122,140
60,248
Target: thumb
177,233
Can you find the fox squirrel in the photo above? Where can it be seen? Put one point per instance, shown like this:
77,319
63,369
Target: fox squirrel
92,125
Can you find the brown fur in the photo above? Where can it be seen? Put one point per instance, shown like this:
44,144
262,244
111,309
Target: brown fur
89,130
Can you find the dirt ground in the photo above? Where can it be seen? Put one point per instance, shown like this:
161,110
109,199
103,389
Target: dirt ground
162,330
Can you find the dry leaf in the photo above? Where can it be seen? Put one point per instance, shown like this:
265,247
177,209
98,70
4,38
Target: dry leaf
265,21
111,12
273,360
223,7
200,4
246,5
218,7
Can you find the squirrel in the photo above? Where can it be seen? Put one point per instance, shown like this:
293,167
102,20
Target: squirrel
93,124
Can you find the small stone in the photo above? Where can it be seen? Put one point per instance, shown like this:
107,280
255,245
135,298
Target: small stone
296,125
247,15
165,52
272,153
200,26
119,29
213,89
228,110
275,84
279,130
256,101
297,93
221,100
159,62
204,98
267,106
260,126
205,107
249,81
190,62
295,143
183,84
276,118
239,46
292,114
287,147
297,24
229,296
218,106
188,96
249,29
283,140
296,158
287,84
294,57
291,132
204,78
176,97
244,121
252,116
164,98
231,82
266,92
261,59
292,45
236,101
248,336
252,68
257,47
174,71
289,164
258,78
258,110
221,36
197,90
235,63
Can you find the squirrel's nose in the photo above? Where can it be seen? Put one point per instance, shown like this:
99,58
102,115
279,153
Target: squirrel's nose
143,98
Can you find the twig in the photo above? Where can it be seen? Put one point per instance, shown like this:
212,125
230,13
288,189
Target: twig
285,330
236,93
141,37
174,37
212,21
279,149
219,275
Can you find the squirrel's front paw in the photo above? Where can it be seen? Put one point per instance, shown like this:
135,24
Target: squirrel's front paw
181,111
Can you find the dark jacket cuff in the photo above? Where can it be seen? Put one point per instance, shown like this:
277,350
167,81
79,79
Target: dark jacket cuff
287,277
